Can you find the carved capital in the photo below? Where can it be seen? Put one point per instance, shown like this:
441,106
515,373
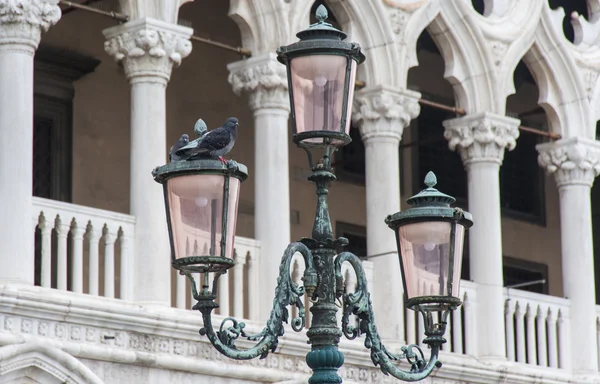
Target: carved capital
23,21
573,161
264,78
482,137
148,47
384,112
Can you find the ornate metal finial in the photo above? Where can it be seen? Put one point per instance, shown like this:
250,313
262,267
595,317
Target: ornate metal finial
430,196
430,179
321,13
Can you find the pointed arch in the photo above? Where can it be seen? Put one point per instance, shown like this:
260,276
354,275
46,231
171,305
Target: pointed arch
562,91
31,361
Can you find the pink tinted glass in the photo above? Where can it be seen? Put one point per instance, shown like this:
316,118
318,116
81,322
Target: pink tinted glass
196,208
425,251
318,88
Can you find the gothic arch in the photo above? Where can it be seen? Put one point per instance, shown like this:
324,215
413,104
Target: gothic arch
562,91
35,362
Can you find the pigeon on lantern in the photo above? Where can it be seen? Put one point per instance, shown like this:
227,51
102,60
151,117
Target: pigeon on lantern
182,142
215,143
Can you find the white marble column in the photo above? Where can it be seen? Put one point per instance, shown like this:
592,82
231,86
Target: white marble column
21,26
148,49
382,114
481,140
575,163
264,79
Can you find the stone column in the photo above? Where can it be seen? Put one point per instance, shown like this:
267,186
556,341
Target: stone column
382,114
21,26
481,139
575,162
264,79
148,50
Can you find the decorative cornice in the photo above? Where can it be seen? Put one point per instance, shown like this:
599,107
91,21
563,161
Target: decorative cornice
264,78
482,137
384,112
573,161
23,21
148,47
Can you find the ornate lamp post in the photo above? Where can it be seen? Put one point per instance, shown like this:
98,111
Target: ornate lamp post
201,203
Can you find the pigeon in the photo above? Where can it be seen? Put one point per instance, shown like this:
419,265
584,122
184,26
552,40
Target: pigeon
182,142
215,143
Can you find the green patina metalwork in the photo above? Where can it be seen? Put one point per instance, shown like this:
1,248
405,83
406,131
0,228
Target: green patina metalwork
208,166
322,281
358,303
427,206
321,38
286,293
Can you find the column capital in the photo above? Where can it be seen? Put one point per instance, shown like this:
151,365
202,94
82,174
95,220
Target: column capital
383,112
482,137
148,47
23,21
264,78
573,161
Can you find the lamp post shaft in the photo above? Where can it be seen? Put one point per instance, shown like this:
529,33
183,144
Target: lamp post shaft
324,334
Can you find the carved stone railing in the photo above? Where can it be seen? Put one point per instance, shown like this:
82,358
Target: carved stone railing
537,329
83,249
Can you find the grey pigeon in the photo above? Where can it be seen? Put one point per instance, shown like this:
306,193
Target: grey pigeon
215,143
182,142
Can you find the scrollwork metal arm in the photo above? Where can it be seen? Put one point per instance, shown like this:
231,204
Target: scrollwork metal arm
286,293
359,304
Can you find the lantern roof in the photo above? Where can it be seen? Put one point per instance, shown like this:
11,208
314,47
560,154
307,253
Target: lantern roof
321,38
430,205
200,166
430,196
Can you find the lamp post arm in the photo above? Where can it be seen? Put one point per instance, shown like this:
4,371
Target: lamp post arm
359,304
286,293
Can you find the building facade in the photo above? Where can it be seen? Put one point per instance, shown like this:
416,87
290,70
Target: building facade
499,98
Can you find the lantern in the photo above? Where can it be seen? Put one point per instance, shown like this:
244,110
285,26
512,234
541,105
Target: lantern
201,200
321,71
430,237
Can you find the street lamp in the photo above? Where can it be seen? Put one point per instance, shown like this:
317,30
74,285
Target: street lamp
201,203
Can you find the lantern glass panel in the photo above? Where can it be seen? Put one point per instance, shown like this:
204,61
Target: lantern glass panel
425,251
318,85
196,210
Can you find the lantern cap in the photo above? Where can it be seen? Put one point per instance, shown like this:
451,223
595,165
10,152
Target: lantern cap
430,205
430,196
321,38
200,166
321,29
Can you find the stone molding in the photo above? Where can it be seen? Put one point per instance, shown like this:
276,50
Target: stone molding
122,332
482,137
148,47
384,112
573,161
22,22
264,79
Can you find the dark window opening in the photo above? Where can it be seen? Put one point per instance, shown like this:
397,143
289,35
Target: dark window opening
350,160
433,155
356,235
52,150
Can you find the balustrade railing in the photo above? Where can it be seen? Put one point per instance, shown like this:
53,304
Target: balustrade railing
537,329
83,249
88,250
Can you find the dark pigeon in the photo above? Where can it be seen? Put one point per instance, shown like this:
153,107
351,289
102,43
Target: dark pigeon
182,142
215,143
